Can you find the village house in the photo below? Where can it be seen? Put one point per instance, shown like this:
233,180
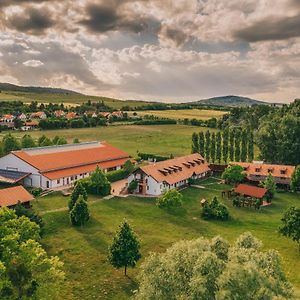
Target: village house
10,197
117,114
22,117
105,114
7,118
153,179
58,166
30,125
71,115
59,113
258,171
38,115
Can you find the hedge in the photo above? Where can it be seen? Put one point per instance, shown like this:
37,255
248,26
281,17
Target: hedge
117,175
147,156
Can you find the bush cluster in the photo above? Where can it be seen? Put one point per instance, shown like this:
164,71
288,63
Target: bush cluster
215,210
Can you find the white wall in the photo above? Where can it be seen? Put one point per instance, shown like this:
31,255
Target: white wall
11,162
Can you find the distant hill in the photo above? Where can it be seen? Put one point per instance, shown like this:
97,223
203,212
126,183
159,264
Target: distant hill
34,89
231,101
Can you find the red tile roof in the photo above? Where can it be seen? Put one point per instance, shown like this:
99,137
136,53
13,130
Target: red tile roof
177,169
11,196
71,115
264,169
55,158
84,169
251,191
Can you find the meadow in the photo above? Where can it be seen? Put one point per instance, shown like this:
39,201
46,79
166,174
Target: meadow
158,139
199,114
84,250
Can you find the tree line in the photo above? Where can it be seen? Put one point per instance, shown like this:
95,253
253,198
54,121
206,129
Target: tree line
232,145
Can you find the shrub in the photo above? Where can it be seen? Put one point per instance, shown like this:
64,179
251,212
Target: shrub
147,156
79,214
36,191
132,186
234,174
215,210
113,176
170,198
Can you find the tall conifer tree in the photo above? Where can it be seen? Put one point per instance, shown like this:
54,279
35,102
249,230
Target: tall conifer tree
244,146
195,143
201,143
237,146
213,147
218,147
207,145
225,144
250,150
231,145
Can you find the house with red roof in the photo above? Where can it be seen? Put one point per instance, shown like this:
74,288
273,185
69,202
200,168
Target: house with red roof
38,115
57,166
10,197
59,113
71,115
258,171
156,177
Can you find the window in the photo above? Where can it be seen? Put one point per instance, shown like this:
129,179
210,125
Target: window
58,181
75,177
282,172
72,178
270,170
147,187
47,184
257,169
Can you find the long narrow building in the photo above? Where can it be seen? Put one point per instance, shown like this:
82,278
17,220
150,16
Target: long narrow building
56,166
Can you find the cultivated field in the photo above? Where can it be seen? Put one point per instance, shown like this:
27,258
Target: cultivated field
84,250
199,114
67,99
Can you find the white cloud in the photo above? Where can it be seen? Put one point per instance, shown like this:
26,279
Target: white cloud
33,63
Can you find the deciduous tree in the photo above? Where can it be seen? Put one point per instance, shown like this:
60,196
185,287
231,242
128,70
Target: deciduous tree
204,269
270,185
291,224
234,174
169,198
27,141
10,143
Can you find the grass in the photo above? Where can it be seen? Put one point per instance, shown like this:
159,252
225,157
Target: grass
158,139
67,99
84,250
199,114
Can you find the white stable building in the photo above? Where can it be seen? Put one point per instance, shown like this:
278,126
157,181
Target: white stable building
153,179
57,166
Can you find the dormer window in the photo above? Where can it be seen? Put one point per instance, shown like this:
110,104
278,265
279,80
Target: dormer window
282,172
257,169
270,170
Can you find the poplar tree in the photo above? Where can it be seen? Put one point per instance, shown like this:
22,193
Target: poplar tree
250,150
195,144
207,145
218,147
231,145
125,248
225,144
213,147
244,146
201,143
237,146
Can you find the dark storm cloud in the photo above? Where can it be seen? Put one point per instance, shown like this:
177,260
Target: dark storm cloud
271,29
55,61
173,34
33,21
110,17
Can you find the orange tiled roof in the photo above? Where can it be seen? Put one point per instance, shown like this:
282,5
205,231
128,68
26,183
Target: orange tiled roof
8,117
71,115
177,169
84,169
32,123
264,169
11,196
52,158
249,190
104,114
37,114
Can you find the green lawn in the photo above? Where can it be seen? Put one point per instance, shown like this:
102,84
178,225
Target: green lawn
199,114
84,250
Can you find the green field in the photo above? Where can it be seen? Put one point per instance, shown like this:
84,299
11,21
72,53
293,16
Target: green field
158,139
67,99
199,114
84,250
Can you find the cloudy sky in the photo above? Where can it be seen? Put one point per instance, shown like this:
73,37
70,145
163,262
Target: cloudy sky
171,50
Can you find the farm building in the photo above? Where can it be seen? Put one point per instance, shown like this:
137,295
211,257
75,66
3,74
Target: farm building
258,171
153,179
58,166
10,197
